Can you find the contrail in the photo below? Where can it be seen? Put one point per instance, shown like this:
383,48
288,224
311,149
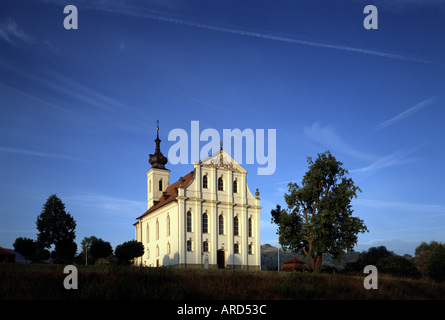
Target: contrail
407,112
137,12
283,39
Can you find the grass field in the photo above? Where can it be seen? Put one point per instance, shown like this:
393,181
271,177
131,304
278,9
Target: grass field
20,281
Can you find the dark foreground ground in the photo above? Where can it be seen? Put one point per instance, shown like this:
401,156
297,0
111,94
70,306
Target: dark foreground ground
42,282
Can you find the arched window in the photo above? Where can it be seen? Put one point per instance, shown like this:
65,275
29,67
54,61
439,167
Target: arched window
205,223
204,182
157,251
168,247
220,184
236,248
160,185
168,225
250,227
148,234
235,186
236,226
157,229
221,224
189,221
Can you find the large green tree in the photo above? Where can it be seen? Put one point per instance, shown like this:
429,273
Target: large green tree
318,218
56,227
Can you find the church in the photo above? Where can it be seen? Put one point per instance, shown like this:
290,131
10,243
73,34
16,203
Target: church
206,219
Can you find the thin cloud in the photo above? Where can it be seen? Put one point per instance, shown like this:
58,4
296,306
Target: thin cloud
403,206
328,138
408,112
108,205
11,32
396,158
38,154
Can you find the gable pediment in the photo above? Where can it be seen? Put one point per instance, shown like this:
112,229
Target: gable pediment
223,160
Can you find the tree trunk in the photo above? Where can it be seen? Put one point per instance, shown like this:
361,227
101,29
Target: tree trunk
316,263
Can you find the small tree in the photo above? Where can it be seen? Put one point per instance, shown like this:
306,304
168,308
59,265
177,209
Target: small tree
129,250
422,255
319,215
26,247
100,249
85,246
436,264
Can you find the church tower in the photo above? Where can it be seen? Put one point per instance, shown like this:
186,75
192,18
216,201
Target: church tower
158,176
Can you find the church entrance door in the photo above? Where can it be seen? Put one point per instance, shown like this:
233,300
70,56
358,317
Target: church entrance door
220,259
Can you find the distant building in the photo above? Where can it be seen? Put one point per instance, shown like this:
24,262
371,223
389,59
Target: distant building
6,256
206,219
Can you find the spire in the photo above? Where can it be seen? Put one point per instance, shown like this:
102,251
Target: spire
157,160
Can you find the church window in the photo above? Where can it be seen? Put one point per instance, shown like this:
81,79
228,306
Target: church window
160,185
220,184
189,245
250,226
236,248
235,186
221,224
168,225
189,221
157,229
205,182
236,226
205,223
250,248
157,251
205,246
148,234
168,247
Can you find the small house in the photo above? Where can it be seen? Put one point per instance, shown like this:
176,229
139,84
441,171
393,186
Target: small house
6,256
294,264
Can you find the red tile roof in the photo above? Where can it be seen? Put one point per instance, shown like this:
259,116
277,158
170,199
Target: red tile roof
169,194
5,251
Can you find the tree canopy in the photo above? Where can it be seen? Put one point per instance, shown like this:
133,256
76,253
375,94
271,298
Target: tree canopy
56,227
129,250
318,218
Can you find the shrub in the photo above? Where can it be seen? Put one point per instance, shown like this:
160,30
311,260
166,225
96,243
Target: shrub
436,264
398,266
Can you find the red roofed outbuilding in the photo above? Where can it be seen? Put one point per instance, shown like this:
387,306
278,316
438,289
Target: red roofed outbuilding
6,256
294,264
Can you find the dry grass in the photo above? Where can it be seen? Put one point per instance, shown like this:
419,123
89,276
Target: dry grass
95,282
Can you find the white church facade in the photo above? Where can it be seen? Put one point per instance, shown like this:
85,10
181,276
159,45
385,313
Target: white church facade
206,219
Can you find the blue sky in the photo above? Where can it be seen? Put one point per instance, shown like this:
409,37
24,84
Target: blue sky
78,107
